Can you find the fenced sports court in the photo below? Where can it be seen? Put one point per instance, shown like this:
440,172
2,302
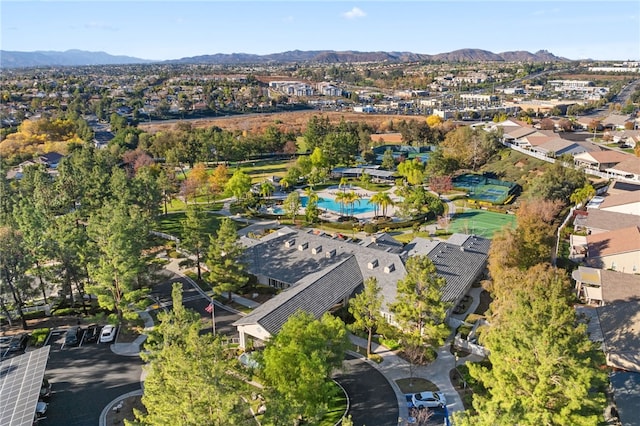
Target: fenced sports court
483,188
481,222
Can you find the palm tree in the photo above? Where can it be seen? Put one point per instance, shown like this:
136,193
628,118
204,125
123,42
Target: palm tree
385,201
266,189
344,182
351,199
341,198
376,200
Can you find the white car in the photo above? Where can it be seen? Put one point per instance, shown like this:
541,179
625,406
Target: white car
107,334
428,400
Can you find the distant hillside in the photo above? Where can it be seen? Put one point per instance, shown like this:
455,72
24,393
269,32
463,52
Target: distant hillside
9,59
332,56
80,57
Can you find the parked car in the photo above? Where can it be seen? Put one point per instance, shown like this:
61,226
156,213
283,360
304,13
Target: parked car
428,400
41,408
19,343
92,333
45,389
73,336
107,334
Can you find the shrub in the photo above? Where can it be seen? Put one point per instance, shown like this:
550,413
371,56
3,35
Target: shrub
39,335
173,254
472,318
370,228
464,331
376,358
65,311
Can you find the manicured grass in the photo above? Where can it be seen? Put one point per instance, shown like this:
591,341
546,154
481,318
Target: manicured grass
172,224
409,236
336,409
177,205
259,171
415,385
480,222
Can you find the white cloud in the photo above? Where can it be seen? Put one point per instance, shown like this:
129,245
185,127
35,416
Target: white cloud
354,13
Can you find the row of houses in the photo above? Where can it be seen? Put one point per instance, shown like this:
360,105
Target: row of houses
586,154
608,281
318,272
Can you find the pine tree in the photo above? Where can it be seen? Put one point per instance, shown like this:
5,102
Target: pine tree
419,307
544,370
188,380
224,259
365,308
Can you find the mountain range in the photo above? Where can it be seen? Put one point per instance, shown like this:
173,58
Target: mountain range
12,59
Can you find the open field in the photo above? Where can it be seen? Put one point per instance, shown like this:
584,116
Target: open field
289,121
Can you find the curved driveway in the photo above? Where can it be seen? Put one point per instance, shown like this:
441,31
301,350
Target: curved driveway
372,399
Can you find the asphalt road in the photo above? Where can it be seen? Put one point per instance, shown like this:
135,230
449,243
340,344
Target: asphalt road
84,380
373,401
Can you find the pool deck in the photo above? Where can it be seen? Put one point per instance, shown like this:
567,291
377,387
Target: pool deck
331,193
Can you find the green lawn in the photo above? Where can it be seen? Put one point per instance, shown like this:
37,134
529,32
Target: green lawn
480,222
172,224
259,171
416,384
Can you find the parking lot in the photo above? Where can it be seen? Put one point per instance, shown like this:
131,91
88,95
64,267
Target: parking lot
85,378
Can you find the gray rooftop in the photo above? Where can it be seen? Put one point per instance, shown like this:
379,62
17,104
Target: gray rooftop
626,394
315,293
274,259
460,260
620,323
610,221
20,383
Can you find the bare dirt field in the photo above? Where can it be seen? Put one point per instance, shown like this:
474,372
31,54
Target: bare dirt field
288,121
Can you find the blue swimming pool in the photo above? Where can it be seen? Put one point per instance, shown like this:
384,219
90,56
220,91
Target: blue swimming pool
363,206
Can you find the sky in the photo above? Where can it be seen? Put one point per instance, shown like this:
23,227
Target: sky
159,30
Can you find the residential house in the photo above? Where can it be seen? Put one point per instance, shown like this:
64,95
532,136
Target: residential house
596,221
623,137
615,121
618,250
317,271
559,146
628,202
604,287
628,169
599,160
620,323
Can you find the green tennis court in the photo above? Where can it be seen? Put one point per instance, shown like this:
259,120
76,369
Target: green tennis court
480,222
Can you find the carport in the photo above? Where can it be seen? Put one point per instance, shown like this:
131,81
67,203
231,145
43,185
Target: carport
20,383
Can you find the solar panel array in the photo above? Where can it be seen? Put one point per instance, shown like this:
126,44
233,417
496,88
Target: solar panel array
20,383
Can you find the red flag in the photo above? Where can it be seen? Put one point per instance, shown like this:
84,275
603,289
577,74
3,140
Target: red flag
209,308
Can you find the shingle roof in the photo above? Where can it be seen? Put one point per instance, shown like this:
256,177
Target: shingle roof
630,165
620,199
610,221
620,323
626,394
619,287
460,260
620,241
315,293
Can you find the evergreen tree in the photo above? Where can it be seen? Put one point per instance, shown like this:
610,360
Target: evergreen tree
297,363
194,233
544,370
365,308
224,259
419,308
117,233
189,380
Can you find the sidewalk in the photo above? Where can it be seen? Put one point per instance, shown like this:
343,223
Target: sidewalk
394,367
